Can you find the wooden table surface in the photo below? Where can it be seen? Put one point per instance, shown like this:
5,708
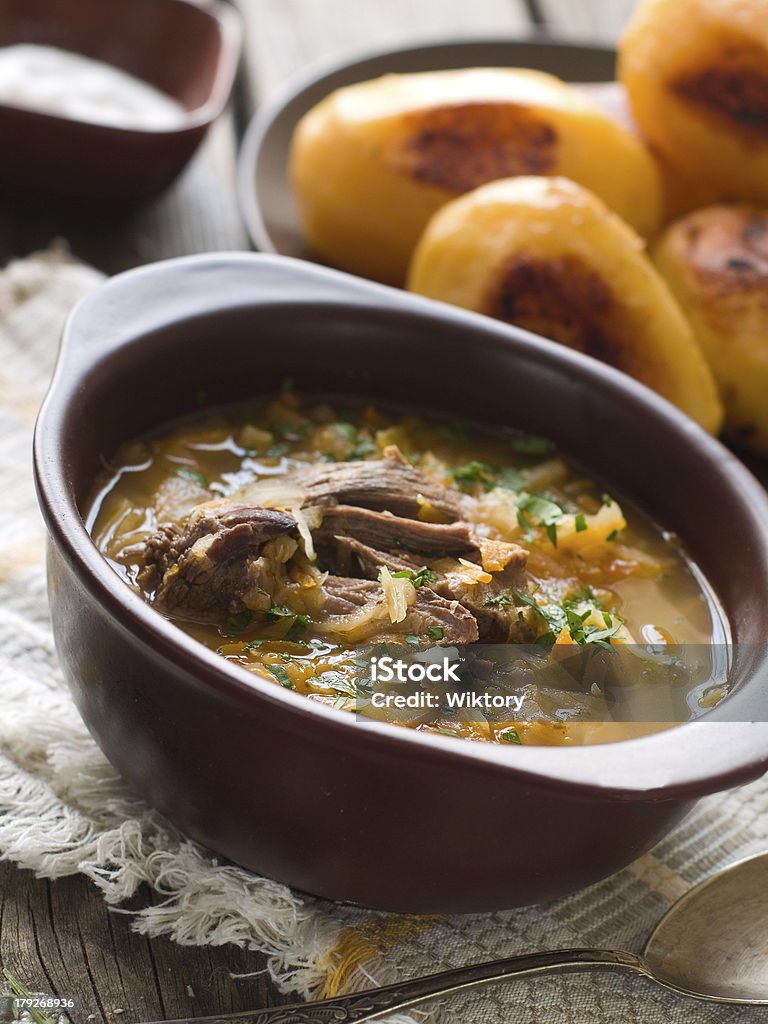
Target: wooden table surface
59,937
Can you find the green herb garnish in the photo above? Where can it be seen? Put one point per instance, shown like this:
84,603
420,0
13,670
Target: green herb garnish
418,577
607,500
511,736
435,633
280,675
237,623
346,431
276,451
22,992
475,474
500,601
299,623
553,614
511,479
581,523
454,432
413,641
192,474
612,536
547,512
529,444
290,431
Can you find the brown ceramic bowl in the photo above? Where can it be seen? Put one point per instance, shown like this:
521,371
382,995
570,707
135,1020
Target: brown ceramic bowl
266,197
299,792
187,49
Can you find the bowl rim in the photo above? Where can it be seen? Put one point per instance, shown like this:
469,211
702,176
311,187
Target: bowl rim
305,81
716,754
229,24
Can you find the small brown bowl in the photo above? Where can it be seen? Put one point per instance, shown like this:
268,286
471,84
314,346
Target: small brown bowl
309,795
187,49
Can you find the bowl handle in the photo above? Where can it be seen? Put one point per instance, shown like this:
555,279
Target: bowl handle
140,301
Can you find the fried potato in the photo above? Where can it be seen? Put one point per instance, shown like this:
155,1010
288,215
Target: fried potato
549,256
697,76
372,162
716,263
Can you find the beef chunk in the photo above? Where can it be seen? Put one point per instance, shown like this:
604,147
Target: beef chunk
385,532
349,557
344,596
199,570
492,604
381,484
430,610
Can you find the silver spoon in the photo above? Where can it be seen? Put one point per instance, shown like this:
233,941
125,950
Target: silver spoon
711,944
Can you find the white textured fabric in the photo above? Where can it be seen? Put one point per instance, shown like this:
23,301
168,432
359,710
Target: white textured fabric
64,810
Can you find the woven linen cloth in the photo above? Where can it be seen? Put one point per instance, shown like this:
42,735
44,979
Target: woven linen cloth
64,810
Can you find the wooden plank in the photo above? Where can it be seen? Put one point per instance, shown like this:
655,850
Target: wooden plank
60,938
287,37
587,20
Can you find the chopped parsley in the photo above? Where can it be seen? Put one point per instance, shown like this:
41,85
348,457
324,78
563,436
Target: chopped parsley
413,641
500,601
511,736
347,432
554,616
237,623
193,474
612,536
454,432
277,450
607,500
511,479
280,675
362,446
581,523
529,444
475,474
572,616
435,633
290,431
418,577
335,681
547,512
299,623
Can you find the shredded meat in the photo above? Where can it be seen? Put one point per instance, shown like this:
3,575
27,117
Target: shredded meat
395,533
214,564
201,570
344,596
388,484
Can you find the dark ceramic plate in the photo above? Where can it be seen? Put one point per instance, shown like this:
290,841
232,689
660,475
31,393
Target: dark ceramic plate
266,198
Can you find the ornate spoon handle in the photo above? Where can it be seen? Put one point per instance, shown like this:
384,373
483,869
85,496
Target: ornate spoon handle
378,1002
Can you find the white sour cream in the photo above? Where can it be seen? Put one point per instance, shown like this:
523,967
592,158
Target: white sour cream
66,84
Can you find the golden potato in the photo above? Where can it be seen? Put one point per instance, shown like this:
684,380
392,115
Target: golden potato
697,76
374,161
716,263
547,255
